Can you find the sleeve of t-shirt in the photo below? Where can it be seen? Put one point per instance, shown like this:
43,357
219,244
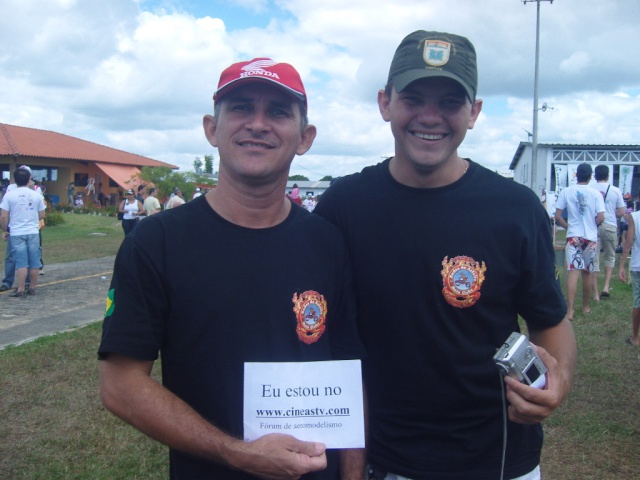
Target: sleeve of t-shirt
328,205
540,299
561,201
345,341
137,303
599,204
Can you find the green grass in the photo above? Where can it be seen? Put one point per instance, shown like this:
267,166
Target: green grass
80,237
52,425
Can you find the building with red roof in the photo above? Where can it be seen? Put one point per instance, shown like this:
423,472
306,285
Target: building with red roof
57,160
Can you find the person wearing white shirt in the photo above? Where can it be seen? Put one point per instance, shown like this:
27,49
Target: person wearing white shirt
20,212
608,230
585,208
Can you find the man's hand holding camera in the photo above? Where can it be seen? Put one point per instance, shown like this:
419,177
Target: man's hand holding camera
530,405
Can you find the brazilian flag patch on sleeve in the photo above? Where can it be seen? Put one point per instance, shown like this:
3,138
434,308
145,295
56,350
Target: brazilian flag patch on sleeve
110,303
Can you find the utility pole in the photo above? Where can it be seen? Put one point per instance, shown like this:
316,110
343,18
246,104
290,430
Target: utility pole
534,142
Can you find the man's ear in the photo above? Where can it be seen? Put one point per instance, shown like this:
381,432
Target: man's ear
476,108
307,138
383,104
210,124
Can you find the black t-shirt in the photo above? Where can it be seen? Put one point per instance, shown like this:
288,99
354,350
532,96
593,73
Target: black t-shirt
210,295
441,275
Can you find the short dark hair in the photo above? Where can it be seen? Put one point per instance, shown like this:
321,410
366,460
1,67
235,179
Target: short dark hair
601,172
584,172
152,191
22,176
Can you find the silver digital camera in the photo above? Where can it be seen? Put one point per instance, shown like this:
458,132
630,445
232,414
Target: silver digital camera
519,360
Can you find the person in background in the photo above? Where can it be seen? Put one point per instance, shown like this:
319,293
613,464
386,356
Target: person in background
309,203
607,230
90,191
140,194
21,210
236,307
434,302
151,203
631,246
295,195
176,199
585,208
9,264
624,226
197,193
132,211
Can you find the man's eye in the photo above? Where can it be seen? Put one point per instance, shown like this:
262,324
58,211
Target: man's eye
279,112
412,100
452,102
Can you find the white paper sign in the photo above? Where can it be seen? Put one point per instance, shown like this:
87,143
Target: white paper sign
312,401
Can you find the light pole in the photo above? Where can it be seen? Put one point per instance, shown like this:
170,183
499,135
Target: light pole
534,140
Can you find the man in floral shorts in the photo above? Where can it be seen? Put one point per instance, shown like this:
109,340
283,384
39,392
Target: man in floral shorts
585,209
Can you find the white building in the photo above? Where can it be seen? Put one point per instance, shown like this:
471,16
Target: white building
556,162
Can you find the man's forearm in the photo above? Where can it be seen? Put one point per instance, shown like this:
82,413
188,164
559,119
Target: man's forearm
157,412
129,392
560,342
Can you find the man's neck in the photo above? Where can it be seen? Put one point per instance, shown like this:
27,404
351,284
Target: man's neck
439,176
248,209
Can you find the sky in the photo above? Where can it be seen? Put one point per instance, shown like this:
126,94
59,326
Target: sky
138,75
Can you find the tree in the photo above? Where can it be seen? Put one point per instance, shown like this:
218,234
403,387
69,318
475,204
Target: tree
300,178
165,180
326,178
208,164
197,165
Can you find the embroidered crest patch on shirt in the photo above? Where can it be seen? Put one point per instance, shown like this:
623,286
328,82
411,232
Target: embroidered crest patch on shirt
462,278
311,312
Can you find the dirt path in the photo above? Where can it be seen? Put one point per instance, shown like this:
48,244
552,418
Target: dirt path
68,295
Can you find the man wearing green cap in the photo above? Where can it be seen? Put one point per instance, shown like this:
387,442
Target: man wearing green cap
446,255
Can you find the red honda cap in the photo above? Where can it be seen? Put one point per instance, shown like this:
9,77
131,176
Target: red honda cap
280,74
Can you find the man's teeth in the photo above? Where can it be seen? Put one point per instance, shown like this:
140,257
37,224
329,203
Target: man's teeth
426,136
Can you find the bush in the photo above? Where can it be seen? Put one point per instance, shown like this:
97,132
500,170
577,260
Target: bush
110,211
53,218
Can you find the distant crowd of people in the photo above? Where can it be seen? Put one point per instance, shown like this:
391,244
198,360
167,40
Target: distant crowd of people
309,202
599,220
136,206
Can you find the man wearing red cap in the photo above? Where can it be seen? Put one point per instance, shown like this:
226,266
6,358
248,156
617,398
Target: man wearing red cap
212,285
446,255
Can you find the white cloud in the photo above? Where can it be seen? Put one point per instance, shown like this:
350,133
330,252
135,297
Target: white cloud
139,74
576,63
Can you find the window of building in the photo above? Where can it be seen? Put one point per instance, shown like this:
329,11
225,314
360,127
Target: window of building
80,179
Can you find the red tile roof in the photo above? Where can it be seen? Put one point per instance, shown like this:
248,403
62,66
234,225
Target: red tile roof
30,142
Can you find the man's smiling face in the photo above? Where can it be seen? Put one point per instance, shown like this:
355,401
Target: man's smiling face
258,131
429,120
